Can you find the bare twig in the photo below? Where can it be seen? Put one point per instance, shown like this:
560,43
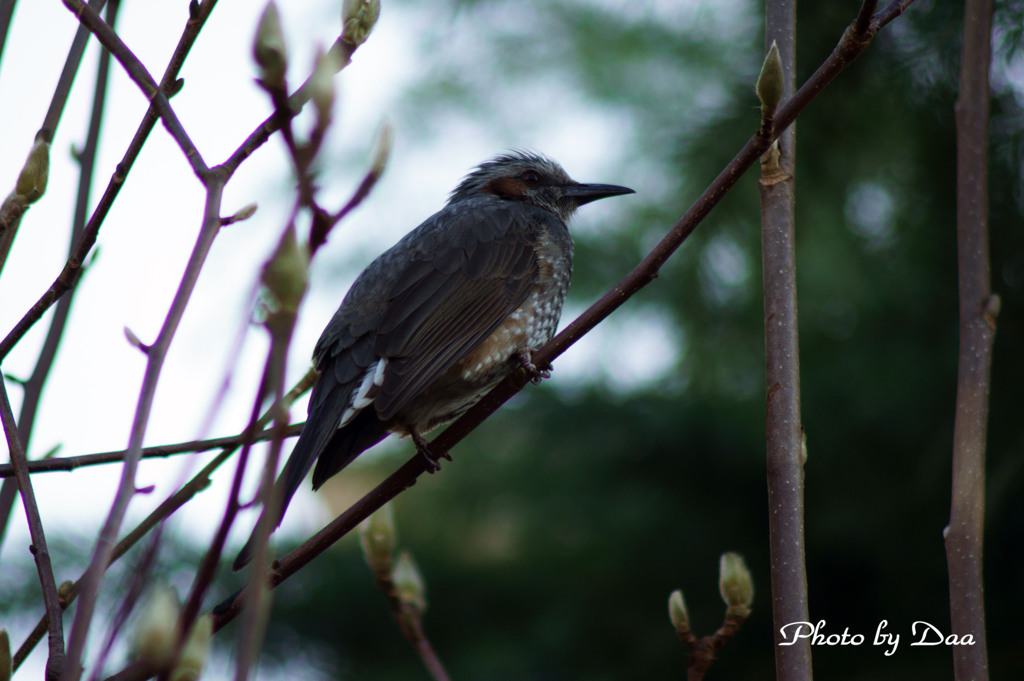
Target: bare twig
408,615
888,13
70,463
12,209
281,325
342,53
863,21
198,483
67,75
138,73
55,660
154,363
701,651
69,275
978,311
33,386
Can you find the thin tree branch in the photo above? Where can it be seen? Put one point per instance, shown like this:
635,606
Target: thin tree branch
890,12
408,615
6,12
69,275
863,21
281,325
138,73
342,51
70,463
12,209
33,386
978,311
154,363
55,660
67,76
199,482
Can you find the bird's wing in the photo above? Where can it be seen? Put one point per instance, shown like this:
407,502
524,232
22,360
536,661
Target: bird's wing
452,295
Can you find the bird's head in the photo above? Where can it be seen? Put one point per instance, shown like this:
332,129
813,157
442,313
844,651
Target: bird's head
532,179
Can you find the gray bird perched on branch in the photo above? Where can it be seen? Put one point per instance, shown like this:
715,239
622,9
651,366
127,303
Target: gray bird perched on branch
441,317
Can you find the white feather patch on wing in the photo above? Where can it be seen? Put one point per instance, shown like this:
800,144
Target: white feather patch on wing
365,393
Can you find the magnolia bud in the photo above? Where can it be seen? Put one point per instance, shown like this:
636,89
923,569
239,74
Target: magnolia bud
677,611
382,150
377,536
156,633
321,85
409,585
770,82
243,213
735,582
268,47
31,182
193,656
358,18
286,273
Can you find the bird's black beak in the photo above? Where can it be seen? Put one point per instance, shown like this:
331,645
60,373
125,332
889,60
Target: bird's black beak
585,193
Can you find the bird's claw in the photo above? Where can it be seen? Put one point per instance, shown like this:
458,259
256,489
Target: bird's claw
535,374
433,462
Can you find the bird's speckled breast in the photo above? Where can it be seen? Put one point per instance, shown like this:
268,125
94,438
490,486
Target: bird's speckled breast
527,328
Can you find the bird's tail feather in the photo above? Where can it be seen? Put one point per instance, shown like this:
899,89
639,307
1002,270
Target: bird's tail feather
361,433
336,451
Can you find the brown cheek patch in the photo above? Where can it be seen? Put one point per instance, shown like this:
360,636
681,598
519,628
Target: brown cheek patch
506,188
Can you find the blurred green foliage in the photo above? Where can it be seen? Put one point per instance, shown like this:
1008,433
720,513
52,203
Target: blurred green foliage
551,544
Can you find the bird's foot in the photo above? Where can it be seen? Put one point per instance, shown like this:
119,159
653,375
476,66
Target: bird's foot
535,374
433,462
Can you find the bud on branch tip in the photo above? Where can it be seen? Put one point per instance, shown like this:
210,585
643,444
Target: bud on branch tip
268,48
735,582
286,274
321,84
409,585
243,213
156,634
382,151
677,613
770,82
358,18
31,182
377,536
193,656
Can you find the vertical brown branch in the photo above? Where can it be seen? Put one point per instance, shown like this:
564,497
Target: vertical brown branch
784,429
155,356
55,623
978,309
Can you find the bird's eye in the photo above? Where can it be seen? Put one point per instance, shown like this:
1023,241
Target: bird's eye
530,177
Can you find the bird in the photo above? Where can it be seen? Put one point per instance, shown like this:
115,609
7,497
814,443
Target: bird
440,318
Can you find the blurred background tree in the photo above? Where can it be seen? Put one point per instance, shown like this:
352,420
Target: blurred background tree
551,544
